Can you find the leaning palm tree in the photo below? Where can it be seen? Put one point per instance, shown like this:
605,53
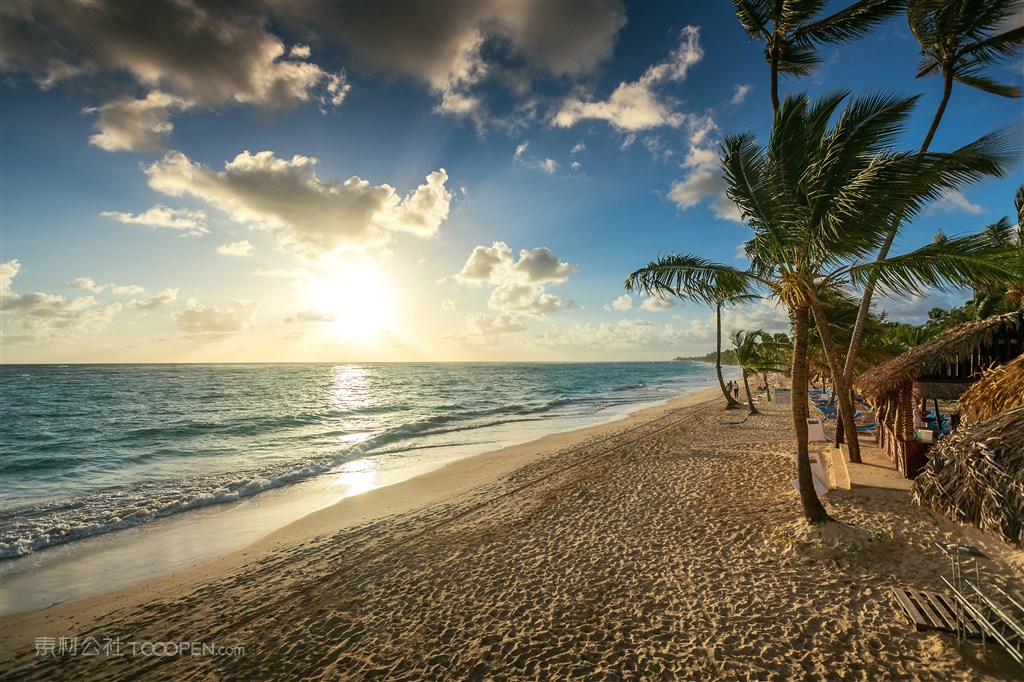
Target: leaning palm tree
817,199
791,29
755,352
958,39
725,291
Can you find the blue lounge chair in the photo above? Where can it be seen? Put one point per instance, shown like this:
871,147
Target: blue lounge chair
866,427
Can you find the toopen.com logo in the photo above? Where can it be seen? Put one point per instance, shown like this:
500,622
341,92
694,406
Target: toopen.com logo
113,646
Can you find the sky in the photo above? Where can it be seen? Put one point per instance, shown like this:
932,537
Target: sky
340,182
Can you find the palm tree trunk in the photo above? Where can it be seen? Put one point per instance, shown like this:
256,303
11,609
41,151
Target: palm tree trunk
750,398
814,512
839,387
730,402
947,90
775,78
883,252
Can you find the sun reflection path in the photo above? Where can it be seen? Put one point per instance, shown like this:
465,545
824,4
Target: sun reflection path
352,391
351,396
357,477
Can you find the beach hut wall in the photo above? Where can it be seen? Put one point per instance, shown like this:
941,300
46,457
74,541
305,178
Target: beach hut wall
976,476
1000,389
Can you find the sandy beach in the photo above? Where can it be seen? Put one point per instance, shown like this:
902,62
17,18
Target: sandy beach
663,546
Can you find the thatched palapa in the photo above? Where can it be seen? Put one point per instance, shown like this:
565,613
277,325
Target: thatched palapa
942,369
999,390
976,476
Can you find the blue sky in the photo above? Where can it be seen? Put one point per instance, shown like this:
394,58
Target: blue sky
380,181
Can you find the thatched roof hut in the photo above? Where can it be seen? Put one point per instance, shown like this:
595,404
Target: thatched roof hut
1000,389
976,476
941,369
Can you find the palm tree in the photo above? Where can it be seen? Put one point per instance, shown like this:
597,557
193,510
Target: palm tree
817,199
791,29
723,292
958,40
755,351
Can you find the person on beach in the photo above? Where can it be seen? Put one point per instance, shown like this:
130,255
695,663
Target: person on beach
736,389
728,387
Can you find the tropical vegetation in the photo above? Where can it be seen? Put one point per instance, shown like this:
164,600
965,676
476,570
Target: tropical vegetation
829,192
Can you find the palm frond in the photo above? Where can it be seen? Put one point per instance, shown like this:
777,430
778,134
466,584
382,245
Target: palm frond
946,264
851,23
694,278
753,16
994,49
958,37
986,84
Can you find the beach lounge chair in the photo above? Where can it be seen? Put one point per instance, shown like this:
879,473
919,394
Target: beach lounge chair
818,475
866,427
814,430
828,411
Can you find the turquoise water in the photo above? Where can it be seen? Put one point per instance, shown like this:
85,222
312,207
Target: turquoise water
90,449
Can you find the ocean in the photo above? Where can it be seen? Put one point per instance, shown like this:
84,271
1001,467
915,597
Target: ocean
94,449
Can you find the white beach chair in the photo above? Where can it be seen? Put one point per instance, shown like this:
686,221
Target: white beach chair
818,474
815,432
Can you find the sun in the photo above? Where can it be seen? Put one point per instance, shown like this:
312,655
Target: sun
356,301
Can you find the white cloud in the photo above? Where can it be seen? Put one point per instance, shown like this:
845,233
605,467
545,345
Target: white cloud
704,178
763,314
240,249
156,301
576,165
621,304
199,319
311,315
299,52
466,51
914,309
495,264
953,200
448,304
624,336
189,223
548,166
739,93
44,316
524,299
724,209
126,289
488,325
89,284
184,53
139,125
578,148
519,285
637,105
655,304
312,215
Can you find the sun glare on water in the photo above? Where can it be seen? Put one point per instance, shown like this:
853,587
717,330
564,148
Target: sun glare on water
356,301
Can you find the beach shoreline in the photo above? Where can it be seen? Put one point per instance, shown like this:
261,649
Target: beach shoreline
432,487
664,545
